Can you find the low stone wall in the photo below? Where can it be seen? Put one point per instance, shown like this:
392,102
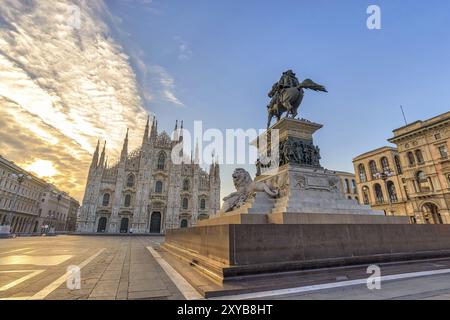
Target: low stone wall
211,242
259,248
325,218
252,244
237,218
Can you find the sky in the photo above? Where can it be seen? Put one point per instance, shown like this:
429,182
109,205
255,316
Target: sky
65,85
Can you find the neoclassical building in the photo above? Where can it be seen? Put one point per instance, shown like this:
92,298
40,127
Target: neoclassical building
145,192
388,194
20,200
419,181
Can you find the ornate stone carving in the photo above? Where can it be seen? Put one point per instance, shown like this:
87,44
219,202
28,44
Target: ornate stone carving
299,152
245,190
334,181
301,182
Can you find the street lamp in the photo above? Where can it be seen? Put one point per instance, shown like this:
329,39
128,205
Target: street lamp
385,175
20,179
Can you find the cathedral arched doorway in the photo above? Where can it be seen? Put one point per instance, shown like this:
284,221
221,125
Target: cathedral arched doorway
124,225
155,222
184,223
101,225
431,213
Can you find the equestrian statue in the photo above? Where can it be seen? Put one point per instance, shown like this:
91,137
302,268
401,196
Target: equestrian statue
287,95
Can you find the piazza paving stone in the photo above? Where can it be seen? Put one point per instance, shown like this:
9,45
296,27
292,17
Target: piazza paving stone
125,269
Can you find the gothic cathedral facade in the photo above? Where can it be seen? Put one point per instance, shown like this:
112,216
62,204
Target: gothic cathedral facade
145,192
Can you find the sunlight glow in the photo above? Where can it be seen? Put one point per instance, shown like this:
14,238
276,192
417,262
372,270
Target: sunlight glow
43,168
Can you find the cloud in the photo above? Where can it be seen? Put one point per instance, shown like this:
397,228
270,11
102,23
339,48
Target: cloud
64,85
21,141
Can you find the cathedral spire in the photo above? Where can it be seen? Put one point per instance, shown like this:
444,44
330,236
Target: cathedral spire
181,132
102,158
175,132
154,132
124,152
145,138
95,156
197,153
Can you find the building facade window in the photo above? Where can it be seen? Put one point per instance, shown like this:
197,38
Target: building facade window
184,223
378,194
392,191
161,161
186,185
373,168
202,204
419,156
105,200
362,173
366,195
443,151
130,181
411,160
347,186
185,203
354,190
158,187
384,163
127,202
398,165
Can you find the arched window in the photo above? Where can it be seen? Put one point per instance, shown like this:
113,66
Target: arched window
186,185
202,204
185,203
184,223
392,192
347,186
158,187
411,160
105,200
373,168
419,156
130,181
127,201
362,173
384,163
161,161
378,194
366,195
398,165
354,186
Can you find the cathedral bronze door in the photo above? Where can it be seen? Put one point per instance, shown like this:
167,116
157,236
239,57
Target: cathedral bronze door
155,222
124,225
101,225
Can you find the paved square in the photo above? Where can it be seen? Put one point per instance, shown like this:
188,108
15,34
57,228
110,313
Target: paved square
112,267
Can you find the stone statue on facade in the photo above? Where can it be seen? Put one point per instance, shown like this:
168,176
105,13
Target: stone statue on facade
245,190
287,95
